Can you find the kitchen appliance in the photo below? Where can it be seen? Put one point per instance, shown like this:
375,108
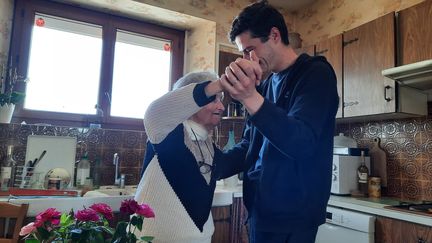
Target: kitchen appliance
344,226
344,169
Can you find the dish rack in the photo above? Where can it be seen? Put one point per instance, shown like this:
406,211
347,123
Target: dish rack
25,177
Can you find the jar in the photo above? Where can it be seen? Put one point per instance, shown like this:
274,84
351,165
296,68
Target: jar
374,187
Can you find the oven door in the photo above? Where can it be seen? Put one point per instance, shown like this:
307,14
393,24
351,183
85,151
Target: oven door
344,226
337,234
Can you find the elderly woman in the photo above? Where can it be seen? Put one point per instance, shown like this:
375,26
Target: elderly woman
179,178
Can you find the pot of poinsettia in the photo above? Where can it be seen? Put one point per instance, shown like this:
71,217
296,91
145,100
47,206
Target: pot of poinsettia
88,225
8,96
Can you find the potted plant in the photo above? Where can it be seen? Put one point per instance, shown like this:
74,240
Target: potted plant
90,225
8,96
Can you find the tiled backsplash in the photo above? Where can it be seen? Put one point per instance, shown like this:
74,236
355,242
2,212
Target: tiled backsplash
100,143
408,145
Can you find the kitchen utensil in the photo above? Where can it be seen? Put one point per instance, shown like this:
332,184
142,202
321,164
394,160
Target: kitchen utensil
378,162
39,159
58,173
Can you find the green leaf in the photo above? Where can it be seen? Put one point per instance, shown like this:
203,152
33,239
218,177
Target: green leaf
140,223
45,234
134,220
120,231
31,241
66,219
147,238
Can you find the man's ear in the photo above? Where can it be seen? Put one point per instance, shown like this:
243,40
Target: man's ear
275,34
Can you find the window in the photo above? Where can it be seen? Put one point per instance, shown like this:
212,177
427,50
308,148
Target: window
90,67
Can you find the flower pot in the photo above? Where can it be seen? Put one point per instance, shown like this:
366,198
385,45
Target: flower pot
6,112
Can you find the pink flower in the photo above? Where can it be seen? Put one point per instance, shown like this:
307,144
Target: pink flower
145,210
50,215
87,215
129,206
25,230
103,209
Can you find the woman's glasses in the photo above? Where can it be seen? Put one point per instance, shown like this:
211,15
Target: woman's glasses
204,168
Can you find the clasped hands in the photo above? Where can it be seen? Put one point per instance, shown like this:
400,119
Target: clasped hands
240,80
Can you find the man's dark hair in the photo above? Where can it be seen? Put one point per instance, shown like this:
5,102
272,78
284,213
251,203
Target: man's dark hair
258,19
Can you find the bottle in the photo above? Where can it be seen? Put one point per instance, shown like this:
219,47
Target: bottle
96,173
83,171
233,180
7,171
362,175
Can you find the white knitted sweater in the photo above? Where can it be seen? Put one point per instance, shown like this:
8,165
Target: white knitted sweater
172,223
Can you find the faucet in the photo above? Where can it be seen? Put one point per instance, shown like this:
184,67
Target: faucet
118,181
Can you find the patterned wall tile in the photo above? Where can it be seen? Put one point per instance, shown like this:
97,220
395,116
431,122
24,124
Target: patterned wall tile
394,188
408,146
426,170
411,189
427,190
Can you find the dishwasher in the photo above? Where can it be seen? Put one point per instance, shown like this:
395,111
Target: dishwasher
344,226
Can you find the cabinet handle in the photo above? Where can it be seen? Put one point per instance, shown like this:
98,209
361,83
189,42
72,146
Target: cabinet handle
345,43
346,104
321,52
387,97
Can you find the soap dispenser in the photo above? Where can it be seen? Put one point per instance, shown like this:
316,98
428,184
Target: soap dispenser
83,170
233,180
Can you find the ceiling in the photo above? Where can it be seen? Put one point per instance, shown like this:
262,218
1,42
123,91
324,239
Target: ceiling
291,5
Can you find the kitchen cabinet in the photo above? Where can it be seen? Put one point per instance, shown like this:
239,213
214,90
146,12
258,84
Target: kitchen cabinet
239,232
229,222
415,35
310,50
222,221
367,50
331,49
389,230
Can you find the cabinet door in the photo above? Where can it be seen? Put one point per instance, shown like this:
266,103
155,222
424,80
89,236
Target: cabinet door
222,221
225,58
389,230
415,25
368,49
331,49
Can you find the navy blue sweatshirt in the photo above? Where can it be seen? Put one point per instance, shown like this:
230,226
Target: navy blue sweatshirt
291,187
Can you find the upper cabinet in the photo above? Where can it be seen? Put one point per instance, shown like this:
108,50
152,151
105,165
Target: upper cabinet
368,49
310,50
332,50
415,25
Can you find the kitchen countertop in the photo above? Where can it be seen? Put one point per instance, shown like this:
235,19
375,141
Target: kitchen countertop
376,206
223,197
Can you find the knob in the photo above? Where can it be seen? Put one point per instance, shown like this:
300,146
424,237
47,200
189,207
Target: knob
420,240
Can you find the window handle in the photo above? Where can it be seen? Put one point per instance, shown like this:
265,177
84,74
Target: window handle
108,97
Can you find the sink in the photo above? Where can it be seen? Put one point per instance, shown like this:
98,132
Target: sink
106,191
222,197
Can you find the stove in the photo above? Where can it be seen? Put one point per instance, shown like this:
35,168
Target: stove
422,208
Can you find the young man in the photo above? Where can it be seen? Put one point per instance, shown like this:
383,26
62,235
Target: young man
288,138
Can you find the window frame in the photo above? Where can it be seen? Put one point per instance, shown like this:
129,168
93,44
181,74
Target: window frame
23,22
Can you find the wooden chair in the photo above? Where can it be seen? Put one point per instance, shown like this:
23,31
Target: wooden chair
11,213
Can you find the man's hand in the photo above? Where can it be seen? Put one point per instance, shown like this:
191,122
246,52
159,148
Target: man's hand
240,79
